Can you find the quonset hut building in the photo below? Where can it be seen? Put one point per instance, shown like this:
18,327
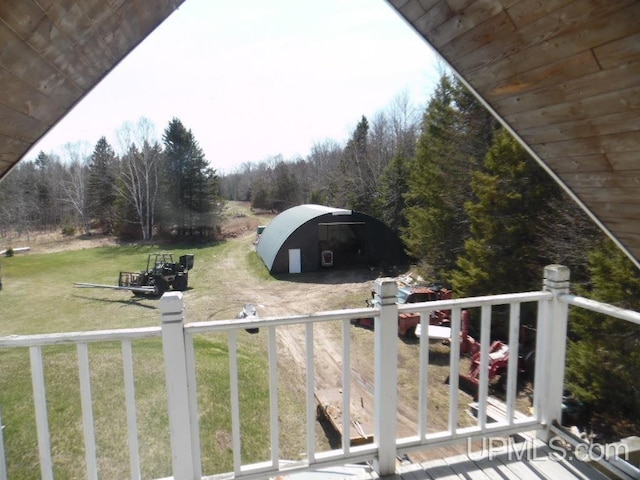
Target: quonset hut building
307,238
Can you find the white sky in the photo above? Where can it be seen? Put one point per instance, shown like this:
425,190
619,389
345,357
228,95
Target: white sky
255,78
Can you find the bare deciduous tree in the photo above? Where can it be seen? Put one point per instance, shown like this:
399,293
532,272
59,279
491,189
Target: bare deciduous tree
139,175
74,186
139,172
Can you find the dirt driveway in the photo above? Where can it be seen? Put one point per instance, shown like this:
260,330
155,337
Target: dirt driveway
292,295
330,290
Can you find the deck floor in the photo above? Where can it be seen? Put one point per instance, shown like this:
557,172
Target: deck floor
535,462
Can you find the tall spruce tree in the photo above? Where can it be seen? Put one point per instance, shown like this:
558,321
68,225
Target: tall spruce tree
359,179
260,194
285,189
102,191
511,192
192,195
46,191
393,185
603,357
437,187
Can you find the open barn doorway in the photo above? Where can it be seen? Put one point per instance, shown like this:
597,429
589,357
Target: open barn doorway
346,242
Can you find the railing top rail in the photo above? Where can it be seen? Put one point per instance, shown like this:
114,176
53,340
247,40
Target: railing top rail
244,323
601,307
223,325
41,340
472,302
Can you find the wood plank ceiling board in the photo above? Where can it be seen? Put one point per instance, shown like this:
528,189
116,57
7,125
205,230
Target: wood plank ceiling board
564,77
52,53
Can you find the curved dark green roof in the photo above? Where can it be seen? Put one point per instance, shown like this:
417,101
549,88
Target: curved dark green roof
281,227
300,238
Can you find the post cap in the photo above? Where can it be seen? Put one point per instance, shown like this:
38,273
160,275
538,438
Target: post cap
386,288
556,277
171,307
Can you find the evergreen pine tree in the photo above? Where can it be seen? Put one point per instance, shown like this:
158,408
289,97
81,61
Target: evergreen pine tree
46,201
285,190
456,133
359,181
393,185
603,356
193,202
102,190
260,195
511,194
436,221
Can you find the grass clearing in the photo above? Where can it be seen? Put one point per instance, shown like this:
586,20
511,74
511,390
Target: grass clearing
39,294
38,297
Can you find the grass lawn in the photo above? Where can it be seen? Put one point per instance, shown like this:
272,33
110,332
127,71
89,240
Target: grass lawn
38,297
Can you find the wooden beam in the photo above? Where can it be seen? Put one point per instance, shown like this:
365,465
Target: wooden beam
629,179
549,40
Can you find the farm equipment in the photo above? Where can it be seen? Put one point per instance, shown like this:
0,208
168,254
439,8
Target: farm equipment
468,344
498,360
161,274
498,363
408,322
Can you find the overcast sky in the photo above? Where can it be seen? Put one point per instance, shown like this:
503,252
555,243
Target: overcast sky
254,79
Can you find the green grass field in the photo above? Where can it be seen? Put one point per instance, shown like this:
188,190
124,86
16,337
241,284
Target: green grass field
38,297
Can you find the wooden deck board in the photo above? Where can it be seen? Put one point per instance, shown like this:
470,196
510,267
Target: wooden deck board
467,469
497,471
534,463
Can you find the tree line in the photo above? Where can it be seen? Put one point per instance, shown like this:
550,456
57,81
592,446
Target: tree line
151,189
465,197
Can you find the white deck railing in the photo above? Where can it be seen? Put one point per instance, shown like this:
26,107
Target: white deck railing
36,344
181,380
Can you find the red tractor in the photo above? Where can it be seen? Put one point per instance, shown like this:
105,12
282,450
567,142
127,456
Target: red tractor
498,364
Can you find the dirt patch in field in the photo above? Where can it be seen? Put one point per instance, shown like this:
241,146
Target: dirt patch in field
50,242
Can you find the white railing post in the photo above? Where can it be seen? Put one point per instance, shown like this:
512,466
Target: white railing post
386,374
554,338
175,360
3,461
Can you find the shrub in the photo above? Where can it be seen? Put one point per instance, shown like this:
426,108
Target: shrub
68,231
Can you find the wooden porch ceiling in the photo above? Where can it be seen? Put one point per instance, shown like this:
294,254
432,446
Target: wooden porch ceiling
53,52
564,76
